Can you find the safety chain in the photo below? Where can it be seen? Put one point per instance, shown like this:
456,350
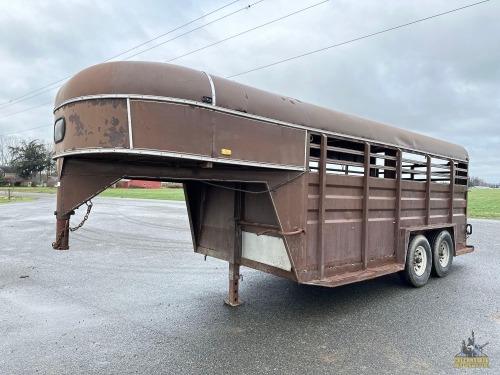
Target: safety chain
57,243
85,218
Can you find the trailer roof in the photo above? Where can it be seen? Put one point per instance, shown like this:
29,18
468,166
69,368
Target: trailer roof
172,81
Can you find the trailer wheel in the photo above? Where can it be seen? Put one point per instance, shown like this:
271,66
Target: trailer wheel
442,253
418,262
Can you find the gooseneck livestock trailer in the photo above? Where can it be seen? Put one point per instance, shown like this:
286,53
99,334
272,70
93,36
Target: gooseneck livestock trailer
271,183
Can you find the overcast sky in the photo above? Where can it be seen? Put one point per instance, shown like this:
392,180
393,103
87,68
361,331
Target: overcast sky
440,77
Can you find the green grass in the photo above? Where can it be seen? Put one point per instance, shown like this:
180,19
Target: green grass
484,203
163,193
29,189
14,199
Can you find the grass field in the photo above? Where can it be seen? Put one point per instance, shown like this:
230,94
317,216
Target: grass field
48,190
164,193
5,199
483,203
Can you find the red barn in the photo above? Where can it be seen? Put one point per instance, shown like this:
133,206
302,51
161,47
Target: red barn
139,184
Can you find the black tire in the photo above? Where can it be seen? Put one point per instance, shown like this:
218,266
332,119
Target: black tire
418,262
442,253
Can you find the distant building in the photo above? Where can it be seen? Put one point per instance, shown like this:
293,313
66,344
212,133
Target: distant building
10,176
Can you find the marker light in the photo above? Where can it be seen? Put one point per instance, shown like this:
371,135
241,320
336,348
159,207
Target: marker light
59,130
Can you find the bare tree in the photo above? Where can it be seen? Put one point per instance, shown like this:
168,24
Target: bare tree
476,181
6,144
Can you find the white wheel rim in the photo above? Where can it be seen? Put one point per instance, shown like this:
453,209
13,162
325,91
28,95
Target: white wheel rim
444,253
420,261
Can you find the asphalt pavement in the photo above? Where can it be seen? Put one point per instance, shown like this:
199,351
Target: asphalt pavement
131,296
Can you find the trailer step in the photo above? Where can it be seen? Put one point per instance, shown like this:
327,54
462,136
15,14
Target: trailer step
351,277
464,250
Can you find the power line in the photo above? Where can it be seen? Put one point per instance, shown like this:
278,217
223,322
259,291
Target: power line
25,110
25,130
356,39
247,31
15,101
36,92
197,28
177,28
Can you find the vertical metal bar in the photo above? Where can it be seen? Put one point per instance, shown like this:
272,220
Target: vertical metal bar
130,138
212,87
234,274
322,206
366,212
397,219
452,190
235,253
466,166
428,193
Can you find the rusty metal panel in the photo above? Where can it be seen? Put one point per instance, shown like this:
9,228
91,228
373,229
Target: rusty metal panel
94,123
172,127
257,141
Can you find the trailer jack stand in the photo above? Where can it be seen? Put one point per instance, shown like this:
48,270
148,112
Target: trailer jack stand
234,280
62,235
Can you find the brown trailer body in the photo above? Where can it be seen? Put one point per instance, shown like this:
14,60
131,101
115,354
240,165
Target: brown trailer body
272,183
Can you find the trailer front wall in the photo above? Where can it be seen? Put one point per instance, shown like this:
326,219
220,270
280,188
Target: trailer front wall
94,124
